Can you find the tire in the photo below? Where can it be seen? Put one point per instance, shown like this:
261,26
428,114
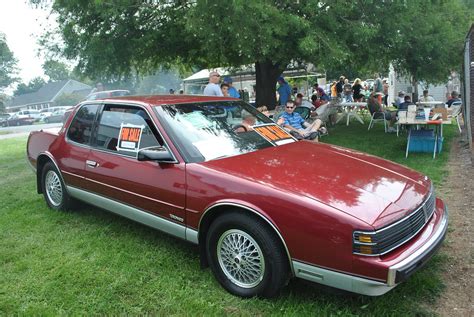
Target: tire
265,274
53,188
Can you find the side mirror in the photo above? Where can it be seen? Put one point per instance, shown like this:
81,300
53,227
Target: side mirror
157,153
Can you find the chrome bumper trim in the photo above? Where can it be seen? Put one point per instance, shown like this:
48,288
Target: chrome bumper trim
420,256
340,280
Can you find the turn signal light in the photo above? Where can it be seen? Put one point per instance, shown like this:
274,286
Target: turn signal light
365,239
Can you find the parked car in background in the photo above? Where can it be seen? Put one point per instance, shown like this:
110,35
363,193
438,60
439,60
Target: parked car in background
30,113
108,94
4,117
56,116
261,206
16,120
47,112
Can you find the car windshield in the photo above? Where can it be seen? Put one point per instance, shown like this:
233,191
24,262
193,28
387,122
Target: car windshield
210,130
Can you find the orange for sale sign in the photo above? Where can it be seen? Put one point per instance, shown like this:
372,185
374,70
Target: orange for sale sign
129,138
274,134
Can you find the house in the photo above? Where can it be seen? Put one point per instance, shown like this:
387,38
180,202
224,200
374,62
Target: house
438,92
46,96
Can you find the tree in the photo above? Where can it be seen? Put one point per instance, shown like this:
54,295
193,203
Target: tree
68,100
429,48
8,63
34,85
55,70
122,37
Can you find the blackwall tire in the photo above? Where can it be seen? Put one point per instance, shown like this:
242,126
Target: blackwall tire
54,190
246,256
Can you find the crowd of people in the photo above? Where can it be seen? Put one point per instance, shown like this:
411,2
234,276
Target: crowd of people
288,99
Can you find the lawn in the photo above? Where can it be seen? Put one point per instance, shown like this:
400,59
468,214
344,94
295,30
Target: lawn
93,262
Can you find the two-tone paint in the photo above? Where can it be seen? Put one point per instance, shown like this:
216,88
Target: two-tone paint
314,196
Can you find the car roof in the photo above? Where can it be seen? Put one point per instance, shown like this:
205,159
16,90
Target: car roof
159,100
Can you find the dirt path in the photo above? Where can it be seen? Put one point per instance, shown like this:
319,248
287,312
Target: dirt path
458,192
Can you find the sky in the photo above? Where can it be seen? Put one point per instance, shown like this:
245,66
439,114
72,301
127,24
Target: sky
22,26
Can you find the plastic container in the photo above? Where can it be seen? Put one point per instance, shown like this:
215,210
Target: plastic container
424,141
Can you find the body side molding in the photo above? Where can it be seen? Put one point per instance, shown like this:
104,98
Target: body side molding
135,214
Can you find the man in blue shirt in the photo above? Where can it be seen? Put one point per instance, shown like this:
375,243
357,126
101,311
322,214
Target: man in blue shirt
284,90
232,91
297,126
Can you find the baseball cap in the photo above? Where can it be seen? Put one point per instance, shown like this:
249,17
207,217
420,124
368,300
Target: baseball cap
227,79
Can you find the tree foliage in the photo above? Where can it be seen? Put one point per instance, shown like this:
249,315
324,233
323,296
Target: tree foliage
8,62
55,70
34,85
131,36
68,100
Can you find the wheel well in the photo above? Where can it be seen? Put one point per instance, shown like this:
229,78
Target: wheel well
215,212
40,162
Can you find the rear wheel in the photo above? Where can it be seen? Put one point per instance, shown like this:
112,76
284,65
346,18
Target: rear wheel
246,256
54,191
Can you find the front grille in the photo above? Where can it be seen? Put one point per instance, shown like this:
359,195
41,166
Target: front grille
392,236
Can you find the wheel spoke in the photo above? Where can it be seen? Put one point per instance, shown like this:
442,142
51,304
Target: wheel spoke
240,258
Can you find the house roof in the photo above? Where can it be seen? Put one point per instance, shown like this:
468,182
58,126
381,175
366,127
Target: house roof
45,94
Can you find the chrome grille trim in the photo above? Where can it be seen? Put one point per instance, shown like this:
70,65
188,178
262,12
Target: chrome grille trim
401,231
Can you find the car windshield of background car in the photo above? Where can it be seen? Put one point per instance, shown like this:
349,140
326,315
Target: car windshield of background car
206,131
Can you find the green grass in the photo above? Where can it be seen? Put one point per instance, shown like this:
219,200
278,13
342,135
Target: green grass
93,262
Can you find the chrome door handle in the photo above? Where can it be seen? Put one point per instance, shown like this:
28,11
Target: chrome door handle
92,163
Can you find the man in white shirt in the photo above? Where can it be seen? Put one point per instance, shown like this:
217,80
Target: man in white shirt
426,97
213,88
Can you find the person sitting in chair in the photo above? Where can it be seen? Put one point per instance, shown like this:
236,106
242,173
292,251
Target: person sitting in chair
404,105
299,128
375,106
454,98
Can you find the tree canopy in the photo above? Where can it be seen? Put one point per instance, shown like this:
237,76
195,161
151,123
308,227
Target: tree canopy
8,64
121,37
34,85
55,70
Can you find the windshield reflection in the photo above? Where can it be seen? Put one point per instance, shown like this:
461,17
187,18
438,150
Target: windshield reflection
211,130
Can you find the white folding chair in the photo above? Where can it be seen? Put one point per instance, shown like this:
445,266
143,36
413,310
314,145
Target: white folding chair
378,117
457,113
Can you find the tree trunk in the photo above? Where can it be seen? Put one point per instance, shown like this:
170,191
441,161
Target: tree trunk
266,76
414,83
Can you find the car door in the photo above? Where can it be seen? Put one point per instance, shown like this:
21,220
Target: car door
115,173
71,154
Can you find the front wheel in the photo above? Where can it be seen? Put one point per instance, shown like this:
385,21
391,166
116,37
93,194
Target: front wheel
245,256
53,188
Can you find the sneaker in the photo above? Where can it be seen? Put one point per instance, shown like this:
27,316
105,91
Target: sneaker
313,136
323,131
391,130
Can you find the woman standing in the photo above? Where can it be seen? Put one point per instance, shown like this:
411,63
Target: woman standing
356,89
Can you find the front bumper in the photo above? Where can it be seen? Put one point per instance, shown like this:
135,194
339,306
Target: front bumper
396,273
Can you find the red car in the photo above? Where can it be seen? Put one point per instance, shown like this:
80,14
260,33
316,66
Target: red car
262,206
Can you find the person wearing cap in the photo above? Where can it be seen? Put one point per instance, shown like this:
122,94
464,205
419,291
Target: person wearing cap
400,99
284,91
232,91
213,88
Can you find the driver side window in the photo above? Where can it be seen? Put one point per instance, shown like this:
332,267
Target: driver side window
111,119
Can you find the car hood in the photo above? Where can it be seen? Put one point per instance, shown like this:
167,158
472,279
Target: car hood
369,188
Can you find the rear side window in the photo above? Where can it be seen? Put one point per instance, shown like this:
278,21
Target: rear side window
113,117
80,130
